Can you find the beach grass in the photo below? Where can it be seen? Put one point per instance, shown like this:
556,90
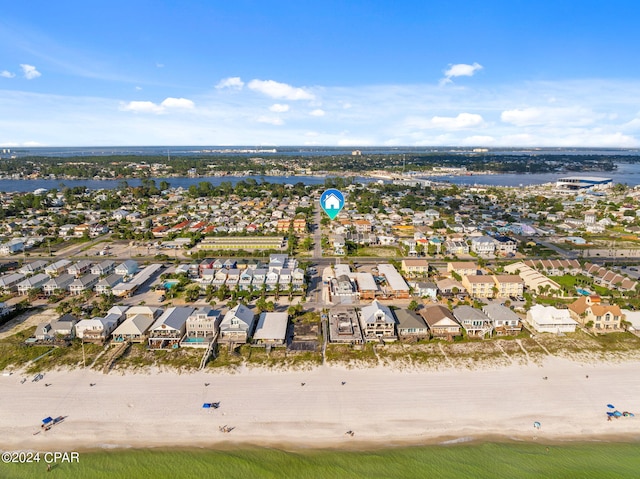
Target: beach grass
459,461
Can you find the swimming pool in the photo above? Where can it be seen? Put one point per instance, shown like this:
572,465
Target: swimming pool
194,340
583,292
170,283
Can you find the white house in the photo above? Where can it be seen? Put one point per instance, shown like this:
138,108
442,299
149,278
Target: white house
36,281
377,322
548,319
237,324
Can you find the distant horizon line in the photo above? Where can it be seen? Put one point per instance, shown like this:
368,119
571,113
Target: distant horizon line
312,147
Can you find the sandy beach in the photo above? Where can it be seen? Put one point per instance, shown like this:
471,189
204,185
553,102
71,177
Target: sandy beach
381,406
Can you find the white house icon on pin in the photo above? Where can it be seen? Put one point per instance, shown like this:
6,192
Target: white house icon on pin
331,202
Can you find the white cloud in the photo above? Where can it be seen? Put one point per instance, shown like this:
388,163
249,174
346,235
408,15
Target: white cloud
142,107
25,144
586,113
177,103
138,88
29,71
462,121
271,120
317,112
460,70
279,108
278,90
150,107
567,116
159,65
7,74
234,83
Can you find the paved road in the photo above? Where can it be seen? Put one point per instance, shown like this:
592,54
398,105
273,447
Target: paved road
317,232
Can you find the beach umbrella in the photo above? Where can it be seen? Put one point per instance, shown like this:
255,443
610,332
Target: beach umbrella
609,414
611,406
617,413
536,425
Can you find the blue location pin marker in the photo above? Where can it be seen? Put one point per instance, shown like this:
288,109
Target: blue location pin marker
332,202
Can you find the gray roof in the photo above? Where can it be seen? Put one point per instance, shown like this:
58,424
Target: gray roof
271,326
63,263
244,314
174,318
497,312
33,266
138,324
10,278
409,319
62,281
85,280
467,313
35,280
110,280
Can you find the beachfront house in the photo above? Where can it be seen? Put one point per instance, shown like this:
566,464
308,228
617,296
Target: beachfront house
133,329
378,322
505,321
201,327
271,329
411,326
549,319
97,330
169,328
475,323
237,325
43,332
442,324
64,326
138,320
344,326
604,318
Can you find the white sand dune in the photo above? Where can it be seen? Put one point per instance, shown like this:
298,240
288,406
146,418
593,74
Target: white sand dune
381,406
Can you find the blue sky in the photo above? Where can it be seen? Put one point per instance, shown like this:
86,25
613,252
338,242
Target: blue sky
350,72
